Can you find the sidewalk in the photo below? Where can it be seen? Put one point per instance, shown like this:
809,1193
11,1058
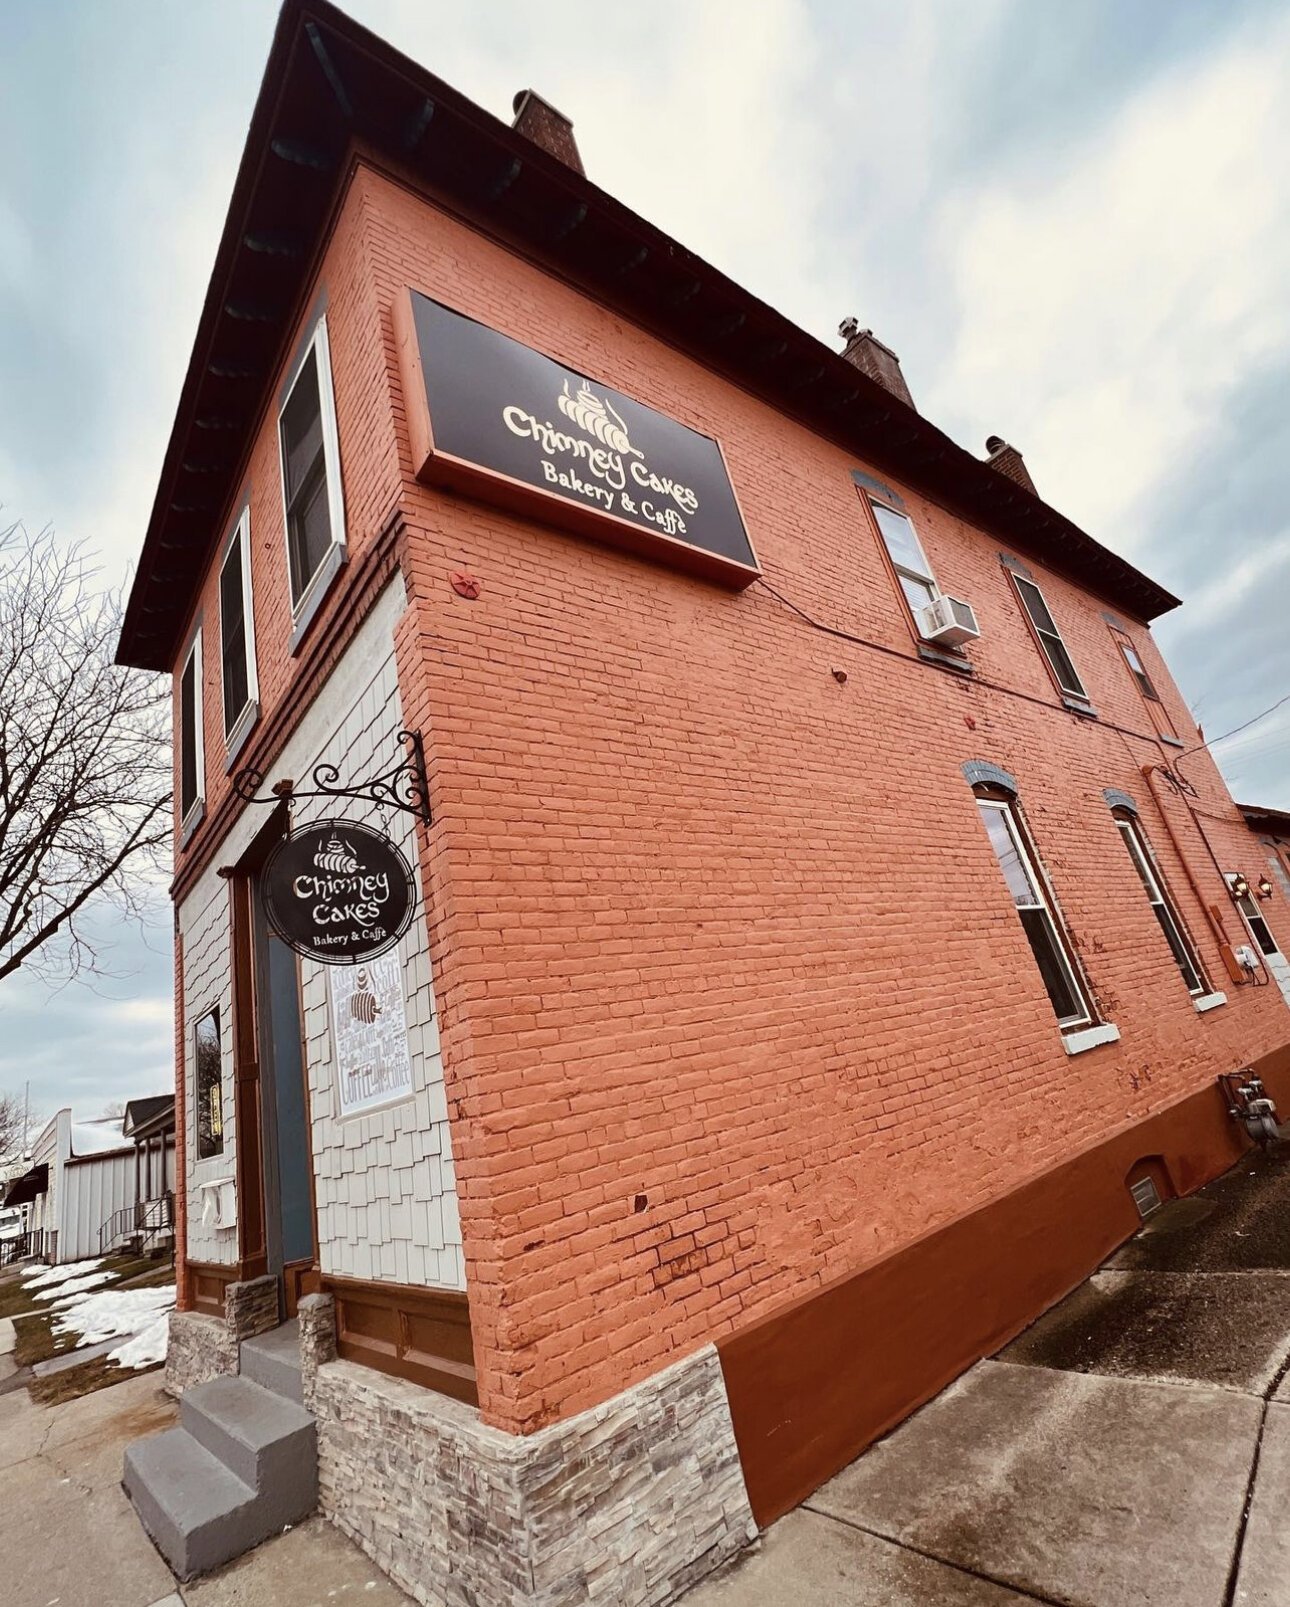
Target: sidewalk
1131,1449
69,1537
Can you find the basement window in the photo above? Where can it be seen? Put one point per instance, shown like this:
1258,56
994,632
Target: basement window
311,488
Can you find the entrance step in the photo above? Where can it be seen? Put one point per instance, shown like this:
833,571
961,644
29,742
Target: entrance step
273,1360
240,1467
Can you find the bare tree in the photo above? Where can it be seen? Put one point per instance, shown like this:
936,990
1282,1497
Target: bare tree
13,1128
85,769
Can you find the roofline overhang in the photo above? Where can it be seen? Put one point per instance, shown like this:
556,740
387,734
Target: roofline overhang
331,90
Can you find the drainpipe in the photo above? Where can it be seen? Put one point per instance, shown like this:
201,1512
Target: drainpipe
1235,970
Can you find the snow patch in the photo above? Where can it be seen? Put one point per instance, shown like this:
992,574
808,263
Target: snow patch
113,1313
70,1287
147,1347
40,1277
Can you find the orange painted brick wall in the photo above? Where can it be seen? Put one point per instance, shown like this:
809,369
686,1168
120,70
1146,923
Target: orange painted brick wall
733,999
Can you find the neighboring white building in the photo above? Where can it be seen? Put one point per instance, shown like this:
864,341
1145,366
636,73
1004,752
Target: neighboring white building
82,1174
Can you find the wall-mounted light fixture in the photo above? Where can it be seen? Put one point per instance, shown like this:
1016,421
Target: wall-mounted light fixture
1240,886
1264,888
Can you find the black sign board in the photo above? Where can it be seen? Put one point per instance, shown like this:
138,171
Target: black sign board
338,892
505,410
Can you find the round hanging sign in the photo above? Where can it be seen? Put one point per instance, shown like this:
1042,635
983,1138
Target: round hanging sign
338,892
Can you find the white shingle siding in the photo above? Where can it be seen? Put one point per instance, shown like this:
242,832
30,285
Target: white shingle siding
385,1187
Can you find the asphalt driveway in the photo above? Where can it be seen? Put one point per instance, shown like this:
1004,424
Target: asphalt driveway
1131,1449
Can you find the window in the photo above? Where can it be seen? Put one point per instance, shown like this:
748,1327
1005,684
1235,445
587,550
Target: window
311,488
1037,913
1260,931
210,1086
908,559
237,627
1050,638
1144,862
192,754
1155,708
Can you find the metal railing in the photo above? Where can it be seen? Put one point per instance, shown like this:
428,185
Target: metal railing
144,1220
27,1246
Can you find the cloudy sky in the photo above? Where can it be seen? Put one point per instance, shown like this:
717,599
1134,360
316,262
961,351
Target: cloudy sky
1067,219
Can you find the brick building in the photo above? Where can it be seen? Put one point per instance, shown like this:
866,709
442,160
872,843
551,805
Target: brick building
798,981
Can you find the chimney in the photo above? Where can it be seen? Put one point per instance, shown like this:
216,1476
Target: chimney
871,357
539,121
1008,461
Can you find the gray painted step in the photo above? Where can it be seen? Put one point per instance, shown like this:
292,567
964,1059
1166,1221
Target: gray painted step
197,1512
265,1439
273,1361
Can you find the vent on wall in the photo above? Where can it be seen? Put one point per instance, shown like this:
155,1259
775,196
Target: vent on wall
1146,1196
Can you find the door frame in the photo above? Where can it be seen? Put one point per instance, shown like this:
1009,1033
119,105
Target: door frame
251,1088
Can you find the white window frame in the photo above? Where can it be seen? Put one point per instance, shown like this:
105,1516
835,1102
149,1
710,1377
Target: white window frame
1077,693
1038,878
318,582
193,657
903,571
245,718
1255,939
1144,859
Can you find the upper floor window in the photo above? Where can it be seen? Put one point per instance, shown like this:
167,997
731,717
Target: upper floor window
315,510
1155,707
209,1080
1144,862
1049,638
192,751
908,559
237,630
1036,910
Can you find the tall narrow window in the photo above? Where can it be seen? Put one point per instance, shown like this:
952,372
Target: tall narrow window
237,628
311,469
192,754
908,559
209,1081
1180,945
1260,931
1155,707
1035,908
1049,638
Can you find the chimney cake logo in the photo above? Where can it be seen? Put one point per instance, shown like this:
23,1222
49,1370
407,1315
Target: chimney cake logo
337,857
597,417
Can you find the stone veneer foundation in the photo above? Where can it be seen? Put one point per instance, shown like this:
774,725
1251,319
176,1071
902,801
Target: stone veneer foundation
630,1502
200,1348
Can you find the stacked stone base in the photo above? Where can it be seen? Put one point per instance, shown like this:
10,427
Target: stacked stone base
629,1503
200,1348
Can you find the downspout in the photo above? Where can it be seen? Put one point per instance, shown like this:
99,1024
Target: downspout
1235,970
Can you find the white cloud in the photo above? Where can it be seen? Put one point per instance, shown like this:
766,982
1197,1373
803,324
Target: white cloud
1109,304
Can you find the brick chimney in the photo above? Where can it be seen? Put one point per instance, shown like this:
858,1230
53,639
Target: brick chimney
1008,461
539,121
871,357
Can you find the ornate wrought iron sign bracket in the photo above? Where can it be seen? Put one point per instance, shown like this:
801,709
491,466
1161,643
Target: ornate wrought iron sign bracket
403,786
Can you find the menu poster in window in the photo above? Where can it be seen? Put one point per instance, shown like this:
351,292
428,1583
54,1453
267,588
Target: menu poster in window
369,1035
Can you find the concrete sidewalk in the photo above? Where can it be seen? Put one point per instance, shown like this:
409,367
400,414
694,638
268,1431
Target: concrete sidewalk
69,1537
1131,1449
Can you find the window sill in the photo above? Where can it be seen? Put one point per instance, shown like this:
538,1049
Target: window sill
1076,1043
188,826
1172,742
1208,1001
1078,706
307,608
959,662
242,728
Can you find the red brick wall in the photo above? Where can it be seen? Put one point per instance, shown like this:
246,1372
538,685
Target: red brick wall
733,999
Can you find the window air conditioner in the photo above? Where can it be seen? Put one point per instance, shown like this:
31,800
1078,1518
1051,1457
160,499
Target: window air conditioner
948,621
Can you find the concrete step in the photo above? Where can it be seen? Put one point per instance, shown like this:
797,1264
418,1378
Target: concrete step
265,1439
273,1361
197,1512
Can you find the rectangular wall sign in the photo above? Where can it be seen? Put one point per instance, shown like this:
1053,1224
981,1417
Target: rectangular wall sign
369,1034
496,417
